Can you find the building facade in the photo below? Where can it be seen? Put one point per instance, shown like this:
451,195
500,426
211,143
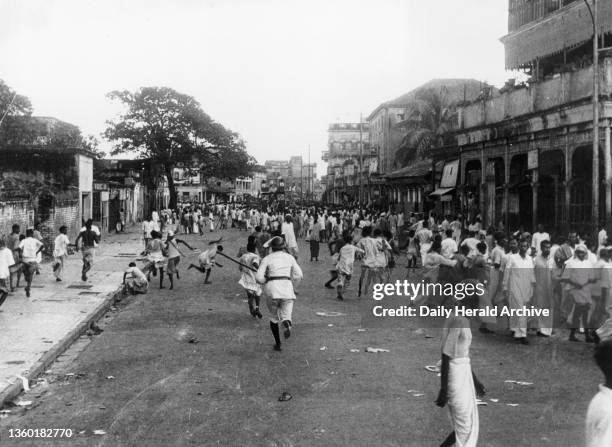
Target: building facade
46,186
348,145
248,187
298,177
525,155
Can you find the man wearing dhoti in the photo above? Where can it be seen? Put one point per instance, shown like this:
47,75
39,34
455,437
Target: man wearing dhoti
518,284
544,287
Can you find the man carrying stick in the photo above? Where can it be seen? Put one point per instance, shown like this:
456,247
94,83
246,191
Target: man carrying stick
207,261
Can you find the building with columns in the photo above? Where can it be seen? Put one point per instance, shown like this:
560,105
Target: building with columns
346,143
525,153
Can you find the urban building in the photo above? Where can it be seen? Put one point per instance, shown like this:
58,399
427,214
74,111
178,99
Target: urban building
46,177
248,187
525,154
348,147
188,184
298,178
118,185
46,186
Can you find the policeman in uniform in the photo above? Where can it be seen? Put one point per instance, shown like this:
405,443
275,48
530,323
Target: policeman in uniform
276,272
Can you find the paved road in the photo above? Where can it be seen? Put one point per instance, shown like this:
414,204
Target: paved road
142,383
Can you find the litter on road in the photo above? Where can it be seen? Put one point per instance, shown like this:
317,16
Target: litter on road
285,397
518,382
376,350
354,350
99,432
329,314
23,403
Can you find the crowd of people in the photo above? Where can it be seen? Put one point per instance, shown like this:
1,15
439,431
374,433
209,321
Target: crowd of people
570,276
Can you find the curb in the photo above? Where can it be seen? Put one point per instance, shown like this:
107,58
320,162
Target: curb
15,389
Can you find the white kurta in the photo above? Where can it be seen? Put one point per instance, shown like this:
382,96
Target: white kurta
519,278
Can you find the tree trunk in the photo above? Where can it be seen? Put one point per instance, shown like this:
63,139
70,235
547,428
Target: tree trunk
171,187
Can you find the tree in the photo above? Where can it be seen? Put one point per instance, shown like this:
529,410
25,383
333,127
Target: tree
19,128
429,118
15,113
92,144
170,127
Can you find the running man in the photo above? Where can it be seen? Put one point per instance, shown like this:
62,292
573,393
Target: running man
207,261
344,267
247,278
90,238
60,253
6,261
30,249
276,272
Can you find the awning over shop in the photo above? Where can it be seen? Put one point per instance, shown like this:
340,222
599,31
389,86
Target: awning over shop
416,171
441,191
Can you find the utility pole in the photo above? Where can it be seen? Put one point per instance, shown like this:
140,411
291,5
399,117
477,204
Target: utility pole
360,161
309,167
595,173
302,180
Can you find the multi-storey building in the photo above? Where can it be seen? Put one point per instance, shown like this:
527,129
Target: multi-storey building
348,146
298,177
526,154
404,173
250,186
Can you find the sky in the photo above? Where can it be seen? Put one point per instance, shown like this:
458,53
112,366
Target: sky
276,71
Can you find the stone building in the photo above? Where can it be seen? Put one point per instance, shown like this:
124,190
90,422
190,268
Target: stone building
525,154
49,186
345,143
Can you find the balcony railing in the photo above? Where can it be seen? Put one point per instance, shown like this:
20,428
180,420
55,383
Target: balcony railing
564,88
522,12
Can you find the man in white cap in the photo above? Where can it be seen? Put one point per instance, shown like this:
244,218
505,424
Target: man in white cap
276,272
578,275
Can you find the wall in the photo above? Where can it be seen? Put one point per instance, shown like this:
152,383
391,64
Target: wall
65,212
85,175
17,212
562,89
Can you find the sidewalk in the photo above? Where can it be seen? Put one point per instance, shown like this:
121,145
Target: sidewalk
35,331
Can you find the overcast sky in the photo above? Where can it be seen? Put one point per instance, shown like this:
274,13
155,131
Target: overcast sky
276,71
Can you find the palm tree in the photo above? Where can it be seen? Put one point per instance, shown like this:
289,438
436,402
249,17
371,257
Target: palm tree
429,118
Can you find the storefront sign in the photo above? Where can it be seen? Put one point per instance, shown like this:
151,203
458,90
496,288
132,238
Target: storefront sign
449,174
532,159
99,186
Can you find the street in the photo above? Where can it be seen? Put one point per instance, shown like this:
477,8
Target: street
191,367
